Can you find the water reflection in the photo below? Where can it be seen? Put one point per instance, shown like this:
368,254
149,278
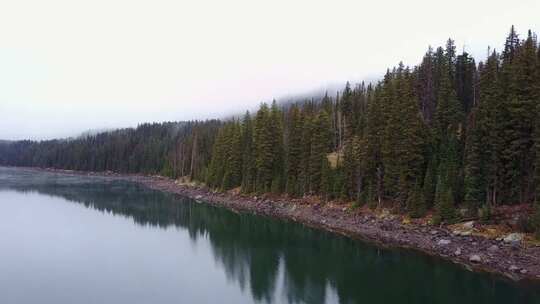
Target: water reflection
282,262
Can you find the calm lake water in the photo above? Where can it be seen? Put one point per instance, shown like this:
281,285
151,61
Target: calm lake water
68,239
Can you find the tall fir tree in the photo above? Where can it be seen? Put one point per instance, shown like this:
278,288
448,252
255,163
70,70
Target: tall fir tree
263,149
294,152
319,149
249,170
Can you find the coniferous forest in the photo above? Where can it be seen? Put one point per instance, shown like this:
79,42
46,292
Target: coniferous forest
450,135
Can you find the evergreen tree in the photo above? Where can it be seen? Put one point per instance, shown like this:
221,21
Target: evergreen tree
465,81
319,149
294,153
430,184
448,113
474,169
233,167
216,170
277,149
445,210
519,71
263,149
444,195
326,180
249,170
416,204
426,86
490,122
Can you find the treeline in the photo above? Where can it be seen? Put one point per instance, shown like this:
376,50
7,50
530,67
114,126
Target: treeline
171,148
446,134
449,135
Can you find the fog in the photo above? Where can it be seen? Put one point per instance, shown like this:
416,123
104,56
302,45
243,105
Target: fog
68,66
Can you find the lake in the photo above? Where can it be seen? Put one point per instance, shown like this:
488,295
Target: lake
72,239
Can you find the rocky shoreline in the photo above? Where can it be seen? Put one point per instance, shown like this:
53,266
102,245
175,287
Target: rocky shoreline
510,258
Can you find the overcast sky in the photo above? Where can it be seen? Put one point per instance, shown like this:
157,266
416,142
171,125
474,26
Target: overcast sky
67,66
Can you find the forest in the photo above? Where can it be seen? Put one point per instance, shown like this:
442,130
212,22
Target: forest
450,136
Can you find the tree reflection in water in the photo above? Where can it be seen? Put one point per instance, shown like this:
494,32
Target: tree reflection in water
278,260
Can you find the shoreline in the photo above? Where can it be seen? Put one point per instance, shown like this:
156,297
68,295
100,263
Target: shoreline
513,261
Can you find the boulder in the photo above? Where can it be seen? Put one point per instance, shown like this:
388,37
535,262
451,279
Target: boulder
468,225
513,238
513,268
443,242
475,258
464,229
493,248
457,252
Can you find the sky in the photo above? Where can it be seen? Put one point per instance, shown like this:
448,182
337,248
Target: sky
68,66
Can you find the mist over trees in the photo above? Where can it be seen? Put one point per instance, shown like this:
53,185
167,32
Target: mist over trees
448,133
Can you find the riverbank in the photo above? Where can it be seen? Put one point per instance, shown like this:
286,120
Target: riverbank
513,259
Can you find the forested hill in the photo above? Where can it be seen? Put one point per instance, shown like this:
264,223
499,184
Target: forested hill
450,133
170,148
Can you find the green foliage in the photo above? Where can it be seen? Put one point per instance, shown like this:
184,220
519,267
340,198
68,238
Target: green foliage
249,172
416,204
429,186
484,213
370,198
445,207
319,149
167,170
474,171
262,139
294,152
327,180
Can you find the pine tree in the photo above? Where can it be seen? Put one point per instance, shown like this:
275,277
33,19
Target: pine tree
306,143
233,167
346,108
444,197
448,113
319,149
263,149
249,170
294,153
465,81
474,169
391,134
277,149
416,204
412,144
490,122
445,210
403,145
216,169
349,168
326,180
372,157
519,71
430,184
426,83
